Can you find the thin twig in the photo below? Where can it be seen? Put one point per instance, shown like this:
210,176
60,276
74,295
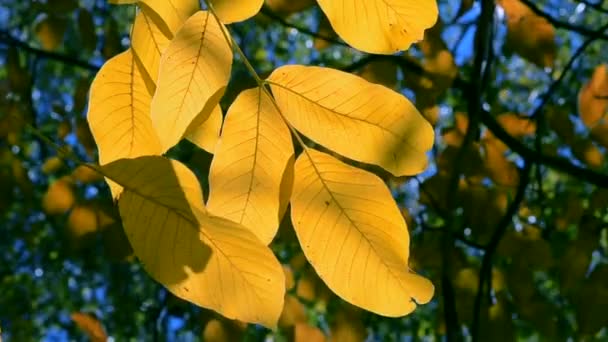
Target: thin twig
564,24
486,263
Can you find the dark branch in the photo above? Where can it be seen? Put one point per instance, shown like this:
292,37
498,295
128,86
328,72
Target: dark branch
486,264
595,5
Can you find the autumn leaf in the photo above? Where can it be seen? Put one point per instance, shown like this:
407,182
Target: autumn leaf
148,44
90,325
207,134
354,236
251,158
169,15
380,26
230,11
358,119
119,113
528,34
207,260
194,72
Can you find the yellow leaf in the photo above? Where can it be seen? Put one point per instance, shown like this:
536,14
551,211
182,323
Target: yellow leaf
223,331
209,261
90,325
380,26
119,113
169,15
230,11
206,135
358,119
304,332
529,35
354,236
251,157
148,44
593,98
59,197
194,72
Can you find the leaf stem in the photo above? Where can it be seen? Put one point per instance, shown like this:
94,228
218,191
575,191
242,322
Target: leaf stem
259,81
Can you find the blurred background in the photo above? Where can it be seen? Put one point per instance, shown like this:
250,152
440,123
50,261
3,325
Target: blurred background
509,221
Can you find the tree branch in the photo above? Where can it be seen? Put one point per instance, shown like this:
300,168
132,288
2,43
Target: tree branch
564,24
595,5
7,39
485,273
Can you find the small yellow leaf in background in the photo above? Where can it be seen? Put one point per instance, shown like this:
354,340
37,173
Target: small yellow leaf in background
304,332
50,31
207,134
209,261
194,72
90,325
119,113
529,35
230,11
59,197
169,15
380,26
593,105
251,157
353,234
148,44
353,117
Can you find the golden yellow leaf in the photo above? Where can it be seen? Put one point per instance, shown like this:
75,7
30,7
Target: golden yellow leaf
380,26
249,163
90,325
85,175
353,234
209,261
217,330
52,165
293,312
148,44
358,119
59,197
194,72
529,35
304,332
208,133
593,98
119,113
50,31
230,11
169,15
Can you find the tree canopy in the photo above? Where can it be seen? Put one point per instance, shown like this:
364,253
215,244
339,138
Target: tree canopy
297,170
